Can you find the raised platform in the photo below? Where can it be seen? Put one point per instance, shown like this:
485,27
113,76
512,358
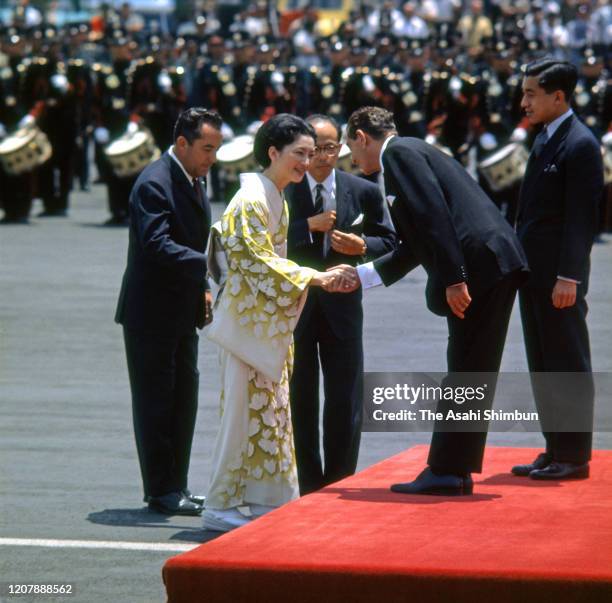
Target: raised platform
354,542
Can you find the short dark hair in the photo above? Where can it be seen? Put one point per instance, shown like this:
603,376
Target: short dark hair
312,119
278,132
375,121
553,75
189,123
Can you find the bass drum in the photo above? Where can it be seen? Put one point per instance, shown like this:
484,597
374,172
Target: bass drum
505,168
24,150
236,157
131,153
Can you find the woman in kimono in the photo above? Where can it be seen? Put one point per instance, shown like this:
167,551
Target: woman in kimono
253,469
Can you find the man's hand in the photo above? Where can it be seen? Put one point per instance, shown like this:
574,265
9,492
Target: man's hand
322,222
347,243
346,279
564,294
339,278
458,298
208,307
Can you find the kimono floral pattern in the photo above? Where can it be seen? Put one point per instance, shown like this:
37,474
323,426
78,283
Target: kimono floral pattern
263,291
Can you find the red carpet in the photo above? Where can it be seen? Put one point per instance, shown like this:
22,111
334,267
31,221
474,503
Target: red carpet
515,540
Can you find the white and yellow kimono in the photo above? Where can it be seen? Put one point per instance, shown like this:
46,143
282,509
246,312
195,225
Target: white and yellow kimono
263,295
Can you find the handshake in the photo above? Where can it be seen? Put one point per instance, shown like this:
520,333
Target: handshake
338,279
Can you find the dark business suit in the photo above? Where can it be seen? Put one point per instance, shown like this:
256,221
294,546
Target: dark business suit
330,329
556,223
160,304
448,225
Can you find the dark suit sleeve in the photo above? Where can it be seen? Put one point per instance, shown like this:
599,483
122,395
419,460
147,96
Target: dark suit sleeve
419,190
151,213
394,265
583,192
378,230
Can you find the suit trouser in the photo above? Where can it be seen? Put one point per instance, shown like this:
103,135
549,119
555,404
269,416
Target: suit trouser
164,380
342,365
475,345
557,341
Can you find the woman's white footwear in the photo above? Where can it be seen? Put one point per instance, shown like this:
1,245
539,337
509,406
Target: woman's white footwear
224,520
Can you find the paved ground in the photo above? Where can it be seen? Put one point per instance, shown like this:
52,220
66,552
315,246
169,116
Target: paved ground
68,468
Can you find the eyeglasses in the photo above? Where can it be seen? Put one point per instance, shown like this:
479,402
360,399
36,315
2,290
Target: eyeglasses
328,149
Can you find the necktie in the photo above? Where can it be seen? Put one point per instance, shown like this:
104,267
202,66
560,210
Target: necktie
318,202
197,187
319,237
539,144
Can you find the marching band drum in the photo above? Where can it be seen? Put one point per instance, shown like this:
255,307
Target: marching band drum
24,150
132,152
236,156
505,168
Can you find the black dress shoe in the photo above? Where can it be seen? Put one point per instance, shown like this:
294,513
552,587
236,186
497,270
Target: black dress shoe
198,500
557,471
542,460
428,482
174,503
55,213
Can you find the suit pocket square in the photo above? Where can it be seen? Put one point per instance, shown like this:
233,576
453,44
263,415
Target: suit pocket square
357,225
551,169
390,199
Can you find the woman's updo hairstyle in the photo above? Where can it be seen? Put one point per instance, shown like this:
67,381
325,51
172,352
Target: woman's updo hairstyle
278,132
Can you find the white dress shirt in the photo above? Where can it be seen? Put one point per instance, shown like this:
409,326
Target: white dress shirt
329,201
187,175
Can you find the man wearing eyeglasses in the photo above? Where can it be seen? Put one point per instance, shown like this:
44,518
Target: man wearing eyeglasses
334,218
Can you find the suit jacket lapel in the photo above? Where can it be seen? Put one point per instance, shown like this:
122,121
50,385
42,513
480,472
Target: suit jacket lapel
549,151
342,201
535,167
179,177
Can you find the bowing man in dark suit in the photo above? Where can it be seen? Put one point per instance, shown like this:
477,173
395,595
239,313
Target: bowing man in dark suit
334,218
474,265
164,296
556,223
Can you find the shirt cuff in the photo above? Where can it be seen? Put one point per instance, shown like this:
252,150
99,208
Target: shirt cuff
368,276
569,280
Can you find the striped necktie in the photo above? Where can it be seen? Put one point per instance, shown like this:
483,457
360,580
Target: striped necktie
318,202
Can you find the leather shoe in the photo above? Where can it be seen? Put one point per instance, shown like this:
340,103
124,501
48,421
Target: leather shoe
427,482
558,471
175,503
194,498
542,460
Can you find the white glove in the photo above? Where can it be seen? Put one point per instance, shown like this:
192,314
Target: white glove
101,135
519,135
607,139
26,121
226,132
487,141
164,82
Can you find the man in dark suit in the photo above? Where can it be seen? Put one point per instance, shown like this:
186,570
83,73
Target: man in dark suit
334,218
556,223
474,264
164,296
